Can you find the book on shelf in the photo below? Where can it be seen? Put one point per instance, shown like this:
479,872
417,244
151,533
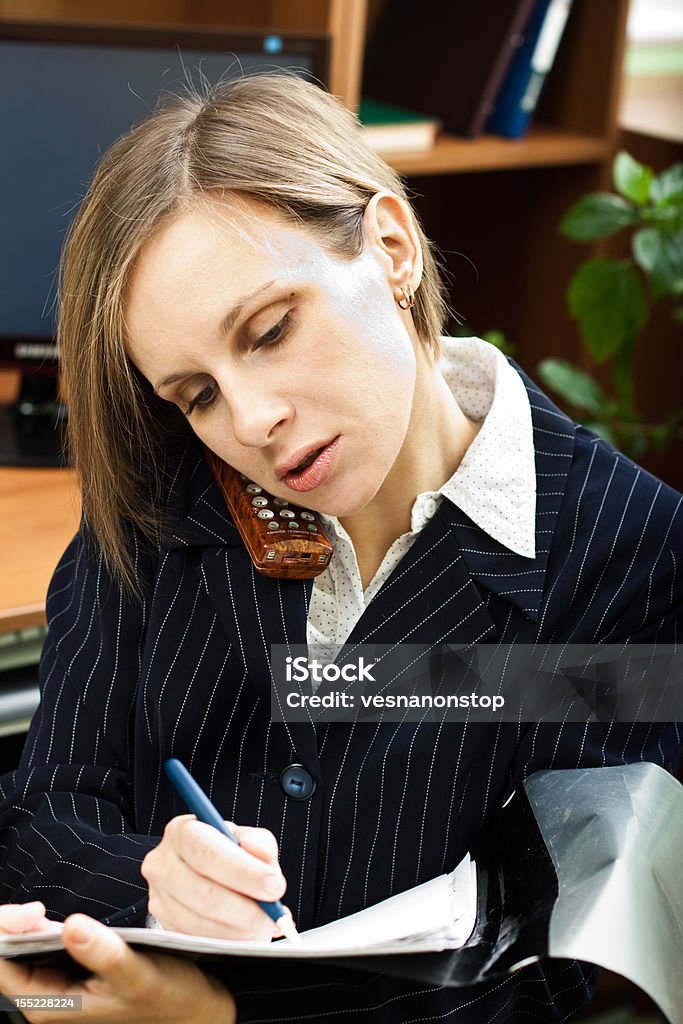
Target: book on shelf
519,93
390,129
449,62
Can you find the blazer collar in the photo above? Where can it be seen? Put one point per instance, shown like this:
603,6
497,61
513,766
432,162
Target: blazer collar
517,578
195,506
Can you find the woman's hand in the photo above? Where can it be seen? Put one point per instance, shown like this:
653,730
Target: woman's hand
124,985
201,883
25,917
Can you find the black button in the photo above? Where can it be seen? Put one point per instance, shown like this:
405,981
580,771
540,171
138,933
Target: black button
297,782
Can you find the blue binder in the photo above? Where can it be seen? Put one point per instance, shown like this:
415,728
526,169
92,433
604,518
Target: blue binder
522,85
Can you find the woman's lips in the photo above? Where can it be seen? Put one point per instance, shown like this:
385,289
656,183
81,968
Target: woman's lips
315,474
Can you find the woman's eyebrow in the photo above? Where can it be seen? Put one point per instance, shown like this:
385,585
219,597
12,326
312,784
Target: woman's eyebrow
173,378
232,316
226,324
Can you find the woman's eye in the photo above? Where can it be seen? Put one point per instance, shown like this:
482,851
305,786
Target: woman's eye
203,399
275,335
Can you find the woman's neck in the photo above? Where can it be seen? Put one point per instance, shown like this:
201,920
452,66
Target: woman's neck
437,438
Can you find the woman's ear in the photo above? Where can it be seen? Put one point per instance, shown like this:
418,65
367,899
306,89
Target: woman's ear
391,234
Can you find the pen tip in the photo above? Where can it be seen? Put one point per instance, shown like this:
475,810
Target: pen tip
288,928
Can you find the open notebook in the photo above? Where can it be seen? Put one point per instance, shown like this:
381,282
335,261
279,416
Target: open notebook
439,914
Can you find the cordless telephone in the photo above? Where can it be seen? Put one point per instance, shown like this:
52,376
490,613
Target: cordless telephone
283,539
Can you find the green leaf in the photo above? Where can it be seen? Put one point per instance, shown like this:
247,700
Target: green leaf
666,217
597,215
667,187
632,179
660,254
574,385
607,299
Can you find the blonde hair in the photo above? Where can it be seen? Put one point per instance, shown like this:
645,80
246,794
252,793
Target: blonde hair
273,138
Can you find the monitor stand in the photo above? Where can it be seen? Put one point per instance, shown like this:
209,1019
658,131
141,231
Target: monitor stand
32,428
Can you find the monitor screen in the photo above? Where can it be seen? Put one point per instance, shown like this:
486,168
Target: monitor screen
67,94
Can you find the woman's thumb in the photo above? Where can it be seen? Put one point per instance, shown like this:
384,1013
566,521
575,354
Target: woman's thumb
100,950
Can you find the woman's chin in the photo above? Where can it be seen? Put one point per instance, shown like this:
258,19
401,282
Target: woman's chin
347,506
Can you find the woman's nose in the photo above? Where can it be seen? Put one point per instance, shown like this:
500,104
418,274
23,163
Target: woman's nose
256,415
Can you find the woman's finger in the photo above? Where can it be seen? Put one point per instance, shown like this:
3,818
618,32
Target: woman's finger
206,853
23,917
258,841
199,906
104,953
223,915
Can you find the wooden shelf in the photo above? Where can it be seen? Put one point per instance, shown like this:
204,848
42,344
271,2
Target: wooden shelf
543,147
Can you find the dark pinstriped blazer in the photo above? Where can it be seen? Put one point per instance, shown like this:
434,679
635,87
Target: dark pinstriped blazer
185,672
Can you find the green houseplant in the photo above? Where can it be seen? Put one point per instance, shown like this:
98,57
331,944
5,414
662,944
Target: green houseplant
611,299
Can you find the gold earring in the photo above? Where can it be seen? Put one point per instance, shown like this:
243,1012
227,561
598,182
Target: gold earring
407,300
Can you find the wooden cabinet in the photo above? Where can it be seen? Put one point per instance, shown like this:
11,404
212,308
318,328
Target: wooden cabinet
491,205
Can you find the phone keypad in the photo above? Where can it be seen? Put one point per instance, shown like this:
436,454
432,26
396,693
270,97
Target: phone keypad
280,516
278,512
289,542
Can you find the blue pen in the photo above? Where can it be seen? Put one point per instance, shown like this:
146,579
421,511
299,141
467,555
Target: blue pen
202,808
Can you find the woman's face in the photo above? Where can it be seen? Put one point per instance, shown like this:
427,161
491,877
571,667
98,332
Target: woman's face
274,349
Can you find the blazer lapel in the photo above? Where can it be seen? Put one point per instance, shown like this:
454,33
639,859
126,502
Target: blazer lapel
520,580
255,611
430,598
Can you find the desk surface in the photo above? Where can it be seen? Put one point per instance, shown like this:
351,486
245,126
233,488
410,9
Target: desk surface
39,514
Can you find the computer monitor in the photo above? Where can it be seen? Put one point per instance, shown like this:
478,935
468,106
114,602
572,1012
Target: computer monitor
68,91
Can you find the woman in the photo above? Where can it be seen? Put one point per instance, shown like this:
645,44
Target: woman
246,275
